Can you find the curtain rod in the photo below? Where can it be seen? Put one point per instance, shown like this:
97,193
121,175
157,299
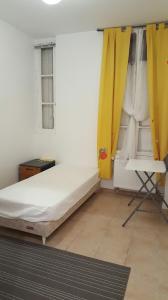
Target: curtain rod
134,26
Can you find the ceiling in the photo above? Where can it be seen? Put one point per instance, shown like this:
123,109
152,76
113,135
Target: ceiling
41,21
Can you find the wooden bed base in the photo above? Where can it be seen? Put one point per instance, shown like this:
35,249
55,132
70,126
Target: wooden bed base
45,229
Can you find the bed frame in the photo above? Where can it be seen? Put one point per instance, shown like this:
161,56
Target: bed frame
45,229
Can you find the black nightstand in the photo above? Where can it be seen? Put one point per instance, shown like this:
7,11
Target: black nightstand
33,167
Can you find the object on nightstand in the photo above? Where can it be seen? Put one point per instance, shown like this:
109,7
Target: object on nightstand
33,167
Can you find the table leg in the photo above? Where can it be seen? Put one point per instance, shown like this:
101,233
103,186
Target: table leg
140,190
148,194
133,212
157,190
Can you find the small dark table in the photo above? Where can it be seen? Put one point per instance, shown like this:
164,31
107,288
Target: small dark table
33,167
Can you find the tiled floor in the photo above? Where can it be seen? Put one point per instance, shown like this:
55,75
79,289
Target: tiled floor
95,230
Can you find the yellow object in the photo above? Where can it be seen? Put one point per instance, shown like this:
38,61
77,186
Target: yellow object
157,61
112,88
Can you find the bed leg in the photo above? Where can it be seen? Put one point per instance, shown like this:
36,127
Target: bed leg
43,240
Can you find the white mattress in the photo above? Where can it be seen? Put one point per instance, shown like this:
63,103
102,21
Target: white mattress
48,195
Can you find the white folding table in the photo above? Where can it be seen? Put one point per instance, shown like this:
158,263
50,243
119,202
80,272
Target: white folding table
149,168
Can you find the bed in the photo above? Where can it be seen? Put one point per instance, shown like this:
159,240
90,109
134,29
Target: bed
40,204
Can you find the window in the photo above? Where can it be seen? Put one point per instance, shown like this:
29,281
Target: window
47,88
144,139
137,55
144,145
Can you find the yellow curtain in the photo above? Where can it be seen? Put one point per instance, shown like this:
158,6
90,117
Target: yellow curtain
112,88
157,60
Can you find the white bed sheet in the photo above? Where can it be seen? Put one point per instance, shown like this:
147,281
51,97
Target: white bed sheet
47,196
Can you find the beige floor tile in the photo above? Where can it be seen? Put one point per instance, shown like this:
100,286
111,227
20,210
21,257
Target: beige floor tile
91,236
162,234
142,287
163,292
64,235
86,245
106,208
143,253
115,244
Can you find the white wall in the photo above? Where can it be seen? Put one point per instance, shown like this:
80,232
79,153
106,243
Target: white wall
78,61
16,96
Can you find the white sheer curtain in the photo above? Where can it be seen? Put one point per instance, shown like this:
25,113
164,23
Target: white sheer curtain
135,102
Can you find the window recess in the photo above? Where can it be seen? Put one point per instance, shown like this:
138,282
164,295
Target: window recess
144,138
136,76
47,88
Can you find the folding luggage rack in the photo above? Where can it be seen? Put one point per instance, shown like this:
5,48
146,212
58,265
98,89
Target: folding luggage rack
149,168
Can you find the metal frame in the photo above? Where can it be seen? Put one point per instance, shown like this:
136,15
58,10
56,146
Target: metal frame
156,197
133,26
